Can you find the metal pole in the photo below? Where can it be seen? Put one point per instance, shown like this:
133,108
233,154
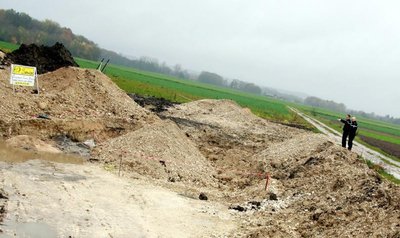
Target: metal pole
11,79
120,165
37,83
99,66
105,65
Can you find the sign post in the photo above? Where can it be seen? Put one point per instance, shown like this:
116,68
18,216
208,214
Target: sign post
22,75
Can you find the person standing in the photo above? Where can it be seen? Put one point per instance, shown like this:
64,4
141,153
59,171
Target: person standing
346,129
352,132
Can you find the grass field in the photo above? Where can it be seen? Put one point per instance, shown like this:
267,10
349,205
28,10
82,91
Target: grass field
8,47
147,83
371,128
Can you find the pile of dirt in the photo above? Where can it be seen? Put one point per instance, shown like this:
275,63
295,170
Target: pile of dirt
322,190
316,188
223,114
44,58
81,103
229,136
161,151
153,104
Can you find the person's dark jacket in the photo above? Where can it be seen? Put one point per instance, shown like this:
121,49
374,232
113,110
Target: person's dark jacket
347,125
353,128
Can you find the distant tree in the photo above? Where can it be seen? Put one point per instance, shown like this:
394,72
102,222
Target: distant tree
236,84
21,28
252,88
212,78
317,102
245,87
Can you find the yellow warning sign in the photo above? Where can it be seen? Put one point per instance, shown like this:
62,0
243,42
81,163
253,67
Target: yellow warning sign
23,75
24,70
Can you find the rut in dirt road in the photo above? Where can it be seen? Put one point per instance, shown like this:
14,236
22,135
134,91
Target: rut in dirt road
365,152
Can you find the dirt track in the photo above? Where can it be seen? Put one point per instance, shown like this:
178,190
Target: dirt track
74,200
358,148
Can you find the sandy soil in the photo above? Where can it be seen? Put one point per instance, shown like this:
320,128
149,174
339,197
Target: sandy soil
47,199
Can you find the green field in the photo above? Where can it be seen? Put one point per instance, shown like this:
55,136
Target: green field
371,128
8,47
147,83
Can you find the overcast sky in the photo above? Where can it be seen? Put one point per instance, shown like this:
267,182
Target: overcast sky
347,51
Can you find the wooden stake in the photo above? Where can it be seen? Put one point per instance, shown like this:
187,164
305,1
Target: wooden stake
120,165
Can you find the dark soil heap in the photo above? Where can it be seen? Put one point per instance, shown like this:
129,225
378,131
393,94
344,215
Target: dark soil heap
44,58
154,104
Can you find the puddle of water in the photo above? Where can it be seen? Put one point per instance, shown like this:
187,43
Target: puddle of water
58,176
32,230
14,155
70,147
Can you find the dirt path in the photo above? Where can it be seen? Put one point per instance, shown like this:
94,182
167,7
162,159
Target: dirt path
365,152
47,199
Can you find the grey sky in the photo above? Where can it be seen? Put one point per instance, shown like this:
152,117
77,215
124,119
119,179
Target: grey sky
347,51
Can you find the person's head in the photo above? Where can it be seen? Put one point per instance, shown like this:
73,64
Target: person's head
353,119
348,116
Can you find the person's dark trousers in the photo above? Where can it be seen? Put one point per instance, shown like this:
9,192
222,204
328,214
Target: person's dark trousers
351,138
344,138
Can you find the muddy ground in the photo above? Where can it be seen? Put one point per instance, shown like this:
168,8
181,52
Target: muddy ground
154,104
390,148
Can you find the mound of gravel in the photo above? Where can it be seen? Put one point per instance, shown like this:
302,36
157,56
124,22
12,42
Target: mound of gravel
69,93
229,136
44,58
323,190
219,113
73,100
160,150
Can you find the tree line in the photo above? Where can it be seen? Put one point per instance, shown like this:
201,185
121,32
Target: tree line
340,107
20,28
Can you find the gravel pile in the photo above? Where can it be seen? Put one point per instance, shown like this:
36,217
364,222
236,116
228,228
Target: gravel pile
75,101
160,150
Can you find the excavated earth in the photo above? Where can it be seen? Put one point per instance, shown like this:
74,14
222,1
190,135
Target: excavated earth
78,103
44,58
317,189
255,178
